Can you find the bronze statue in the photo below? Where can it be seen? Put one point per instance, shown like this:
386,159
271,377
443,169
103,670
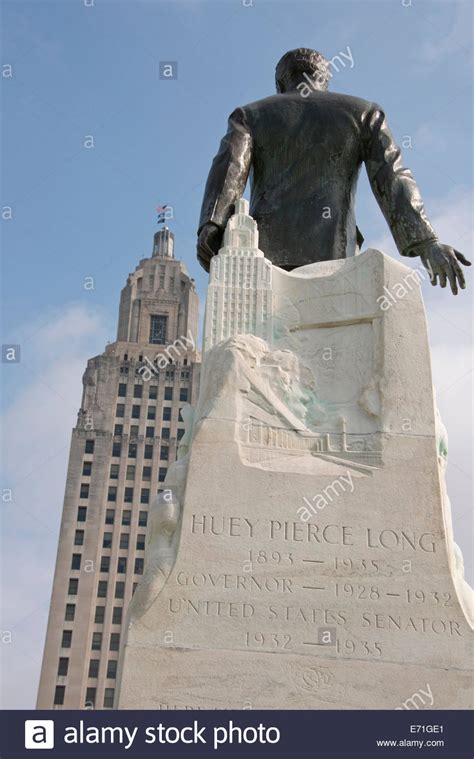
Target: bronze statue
303,149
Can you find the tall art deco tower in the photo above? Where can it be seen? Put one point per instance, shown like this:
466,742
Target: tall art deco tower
128,429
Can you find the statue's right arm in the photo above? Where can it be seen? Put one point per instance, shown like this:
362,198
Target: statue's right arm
401,203
225,184
394,186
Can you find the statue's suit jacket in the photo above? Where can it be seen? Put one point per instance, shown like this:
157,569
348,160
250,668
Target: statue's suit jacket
303,155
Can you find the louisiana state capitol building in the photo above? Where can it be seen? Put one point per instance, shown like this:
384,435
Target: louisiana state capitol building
128,430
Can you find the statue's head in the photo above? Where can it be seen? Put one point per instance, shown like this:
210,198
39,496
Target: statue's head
291,68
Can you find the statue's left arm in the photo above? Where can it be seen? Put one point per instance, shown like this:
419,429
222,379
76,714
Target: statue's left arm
225,185
402,205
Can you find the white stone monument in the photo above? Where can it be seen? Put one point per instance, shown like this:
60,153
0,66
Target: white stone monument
301,555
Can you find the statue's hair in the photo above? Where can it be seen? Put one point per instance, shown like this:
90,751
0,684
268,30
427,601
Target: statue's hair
301,61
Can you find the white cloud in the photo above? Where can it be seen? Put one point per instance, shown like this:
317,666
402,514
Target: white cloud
456,40
451,216
37,429
429,139
451,350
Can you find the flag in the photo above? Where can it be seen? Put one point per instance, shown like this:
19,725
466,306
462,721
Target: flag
162,214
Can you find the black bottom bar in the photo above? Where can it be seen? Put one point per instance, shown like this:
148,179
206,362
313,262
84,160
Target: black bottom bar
285,734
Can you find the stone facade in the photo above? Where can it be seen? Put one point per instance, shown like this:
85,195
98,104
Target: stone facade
127,434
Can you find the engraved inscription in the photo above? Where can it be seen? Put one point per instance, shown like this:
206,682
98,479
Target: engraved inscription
267,640
358,648
329,563
271,557
235,582
396,622
385,539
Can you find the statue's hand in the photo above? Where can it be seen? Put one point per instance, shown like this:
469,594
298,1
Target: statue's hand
209,242
442,261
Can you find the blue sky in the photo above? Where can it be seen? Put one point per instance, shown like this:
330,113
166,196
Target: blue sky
81,70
